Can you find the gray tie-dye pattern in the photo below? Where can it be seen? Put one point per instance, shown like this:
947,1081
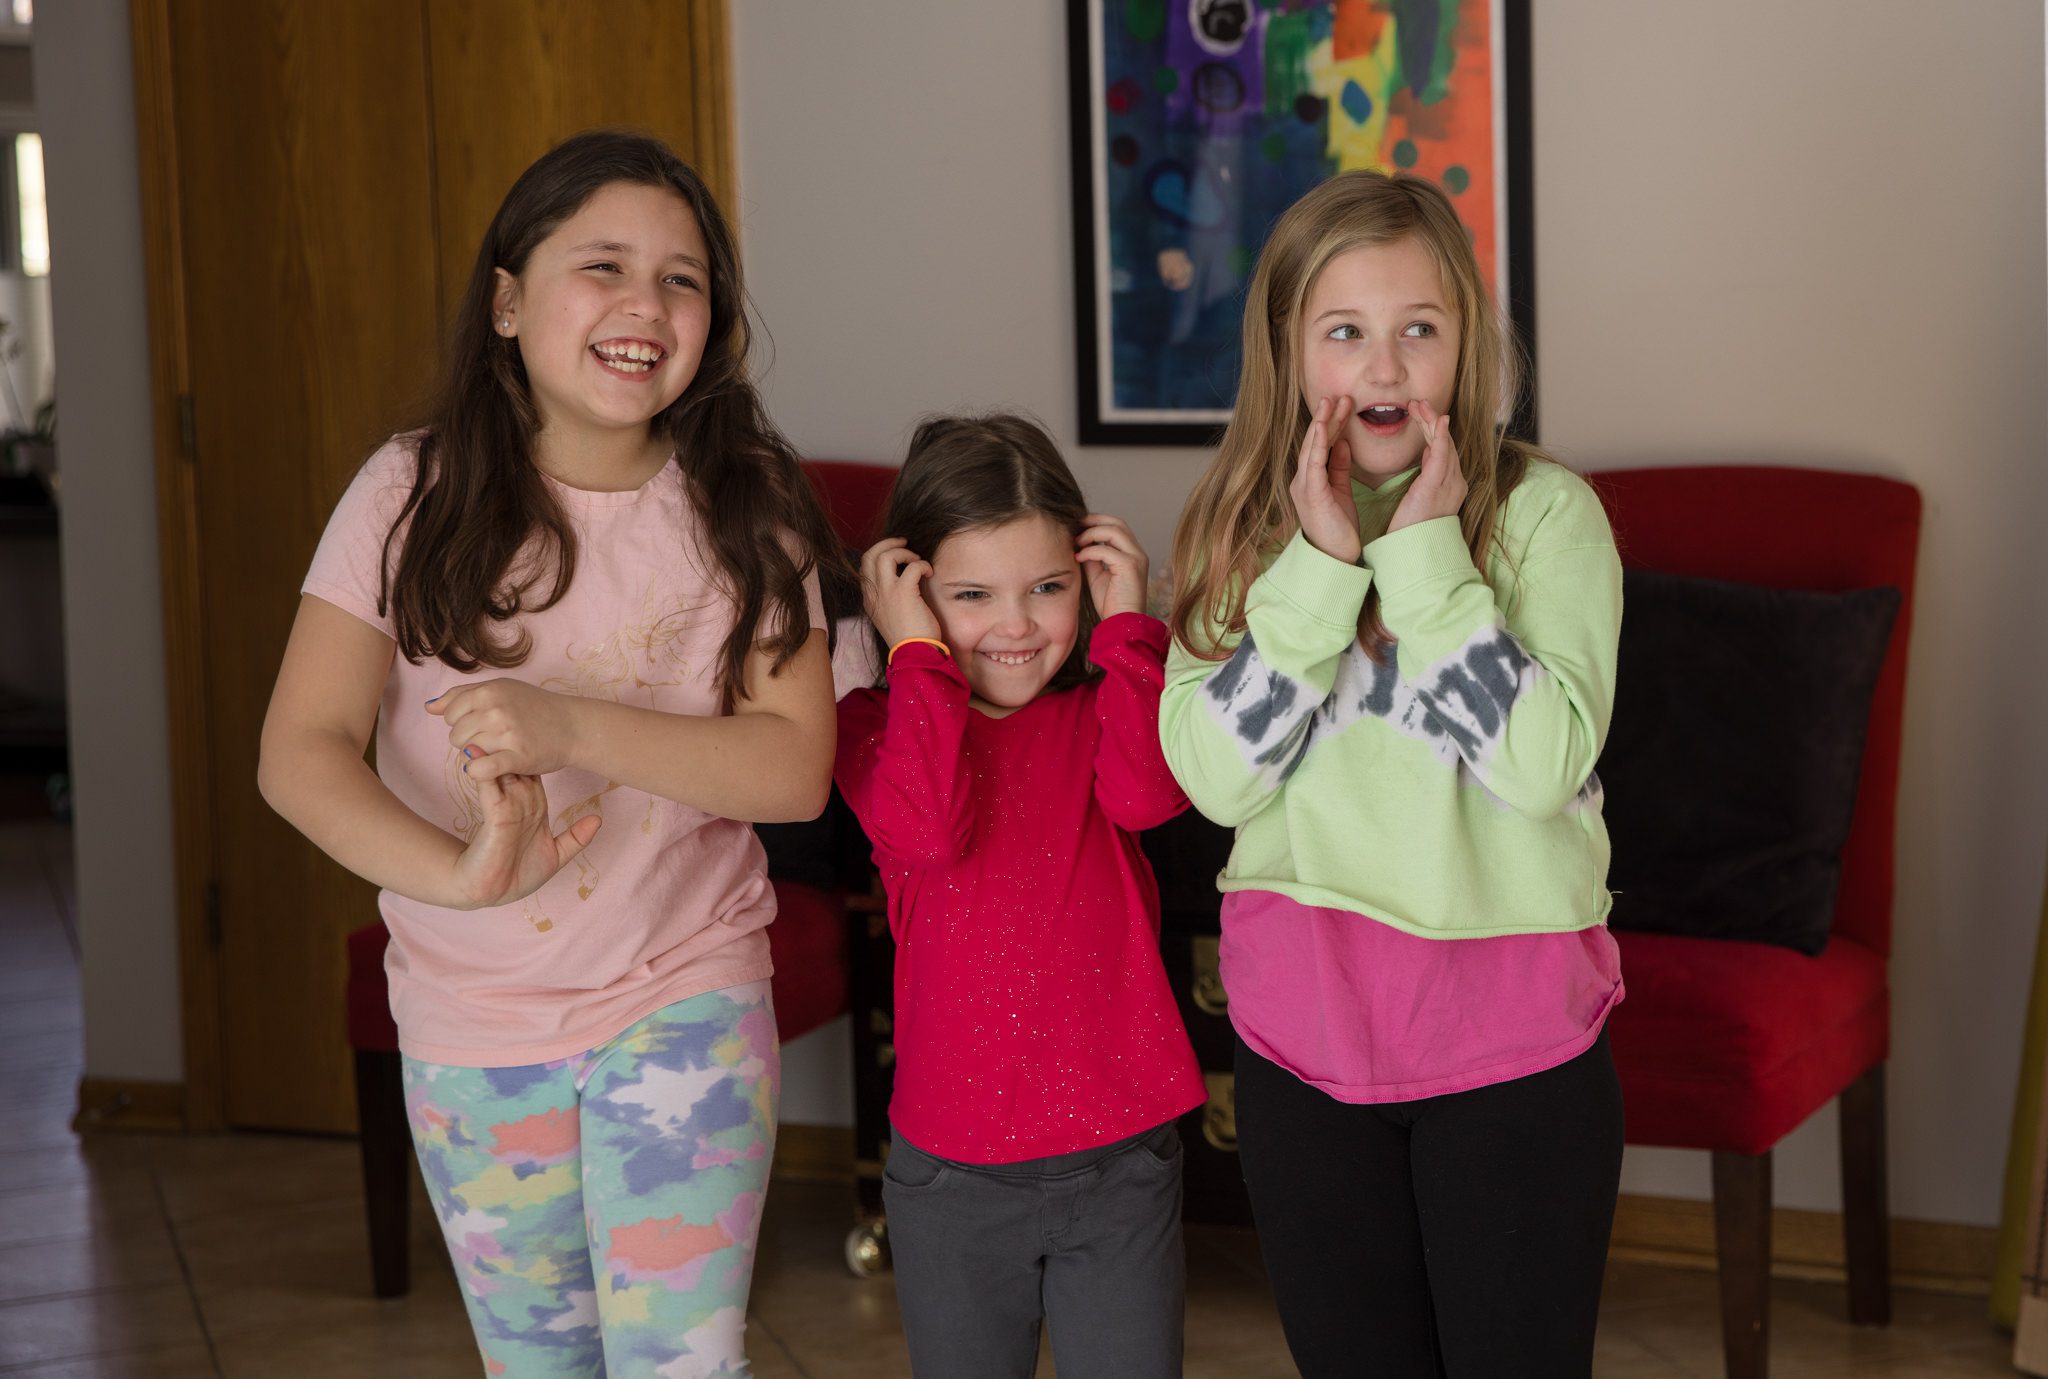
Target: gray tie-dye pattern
1461,715
1266,712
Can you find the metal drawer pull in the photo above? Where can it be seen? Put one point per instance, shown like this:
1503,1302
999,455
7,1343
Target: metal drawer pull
1219,1117
1207,992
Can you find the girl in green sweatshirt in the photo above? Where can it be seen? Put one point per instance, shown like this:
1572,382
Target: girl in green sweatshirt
1393,662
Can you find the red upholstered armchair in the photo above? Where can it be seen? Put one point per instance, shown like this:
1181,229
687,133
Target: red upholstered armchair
807,941
1728,1046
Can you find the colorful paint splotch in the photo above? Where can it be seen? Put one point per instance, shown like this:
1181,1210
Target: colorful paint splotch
1211,117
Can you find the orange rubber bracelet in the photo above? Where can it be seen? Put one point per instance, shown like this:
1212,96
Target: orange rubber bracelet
947,651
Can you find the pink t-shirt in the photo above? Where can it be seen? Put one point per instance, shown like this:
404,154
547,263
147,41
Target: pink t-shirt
668,901
1369,1013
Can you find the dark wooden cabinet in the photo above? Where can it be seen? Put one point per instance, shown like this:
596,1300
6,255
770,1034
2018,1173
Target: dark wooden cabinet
1186,855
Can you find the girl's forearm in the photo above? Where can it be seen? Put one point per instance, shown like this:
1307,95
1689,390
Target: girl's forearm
757,767
324,788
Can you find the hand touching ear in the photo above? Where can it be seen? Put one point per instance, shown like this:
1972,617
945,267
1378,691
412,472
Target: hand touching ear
1115,564
893,577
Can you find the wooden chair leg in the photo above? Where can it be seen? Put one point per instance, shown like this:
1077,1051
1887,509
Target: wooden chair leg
1742,1243
1866,1207
387,1170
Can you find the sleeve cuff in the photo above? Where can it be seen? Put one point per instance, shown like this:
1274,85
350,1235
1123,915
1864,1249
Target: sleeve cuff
924,656
1418,555
1321,587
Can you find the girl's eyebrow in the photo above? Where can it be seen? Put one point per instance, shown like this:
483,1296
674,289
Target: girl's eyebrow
1060,573
1412,306
612,246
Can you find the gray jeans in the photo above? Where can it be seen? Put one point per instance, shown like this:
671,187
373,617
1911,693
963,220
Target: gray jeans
1088,1244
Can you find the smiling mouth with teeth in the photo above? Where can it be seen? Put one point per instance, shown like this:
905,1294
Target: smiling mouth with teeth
1011,658
1384,414
629,358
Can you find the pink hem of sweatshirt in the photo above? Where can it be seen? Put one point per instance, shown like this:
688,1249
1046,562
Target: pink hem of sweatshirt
1368,1013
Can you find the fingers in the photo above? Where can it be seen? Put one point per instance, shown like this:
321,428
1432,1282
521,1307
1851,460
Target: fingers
884,568
1432,420
1313,445
1109,562
1312,463
1439,455
575,838
1340,465
891,552
1105,530
450,701
872,558
492,766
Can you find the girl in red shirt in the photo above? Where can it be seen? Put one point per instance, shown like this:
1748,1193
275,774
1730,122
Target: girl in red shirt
1001,771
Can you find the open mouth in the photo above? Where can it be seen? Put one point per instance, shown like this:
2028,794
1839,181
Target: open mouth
630,358
1384,418
1010,658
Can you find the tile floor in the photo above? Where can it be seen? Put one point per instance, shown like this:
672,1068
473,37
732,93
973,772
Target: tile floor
153,1257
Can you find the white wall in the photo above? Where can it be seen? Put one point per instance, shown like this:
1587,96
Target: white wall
120,763
1810,234
1797,258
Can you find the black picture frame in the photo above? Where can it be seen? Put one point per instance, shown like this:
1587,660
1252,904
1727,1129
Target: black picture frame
1099,425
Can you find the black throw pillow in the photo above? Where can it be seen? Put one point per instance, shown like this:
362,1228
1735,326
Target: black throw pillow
1732,763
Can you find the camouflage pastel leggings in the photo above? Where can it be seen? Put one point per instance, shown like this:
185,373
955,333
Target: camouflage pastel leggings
602,1210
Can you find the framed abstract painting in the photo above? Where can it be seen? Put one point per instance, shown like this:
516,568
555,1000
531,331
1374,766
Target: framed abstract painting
1197,122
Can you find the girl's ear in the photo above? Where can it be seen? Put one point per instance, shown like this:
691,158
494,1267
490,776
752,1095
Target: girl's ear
505,296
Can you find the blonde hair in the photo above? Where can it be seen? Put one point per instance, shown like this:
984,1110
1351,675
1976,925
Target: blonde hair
1239,514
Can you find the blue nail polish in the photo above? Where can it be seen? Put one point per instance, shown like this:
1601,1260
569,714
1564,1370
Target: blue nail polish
435,700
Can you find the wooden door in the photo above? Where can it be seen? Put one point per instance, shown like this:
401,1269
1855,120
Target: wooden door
313,198
512,80
310,317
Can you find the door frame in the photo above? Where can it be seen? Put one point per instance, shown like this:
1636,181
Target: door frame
192,833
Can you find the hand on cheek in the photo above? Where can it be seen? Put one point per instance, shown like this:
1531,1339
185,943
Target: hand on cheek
1439,490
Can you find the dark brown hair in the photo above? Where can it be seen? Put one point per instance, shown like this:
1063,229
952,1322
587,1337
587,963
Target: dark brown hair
488,541
965,473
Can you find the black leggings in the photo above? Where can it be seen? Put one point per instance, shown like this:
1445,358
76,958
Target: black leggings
1461,1235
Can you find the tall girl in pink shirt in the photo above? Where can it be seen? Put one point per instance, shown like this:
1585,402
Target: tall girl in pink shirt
1001,772
580,608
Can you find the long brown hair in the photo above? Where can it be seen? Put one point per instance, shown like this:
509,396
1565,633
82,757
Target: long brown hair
967,472
1240,515
488,541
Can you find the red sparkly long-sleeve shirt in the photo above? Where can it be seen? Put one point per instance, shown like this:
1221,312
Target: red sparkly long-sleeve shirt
1033,1016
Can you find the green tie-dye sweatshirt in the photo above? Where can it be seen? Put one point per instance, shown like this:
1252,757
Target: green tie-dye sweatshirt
1448,788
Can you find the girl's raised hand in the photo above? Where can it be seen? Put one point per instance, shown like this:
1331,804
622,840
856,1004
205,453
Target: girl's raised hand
508,727
1115,565
1439,490
1321,489
892,576
514,852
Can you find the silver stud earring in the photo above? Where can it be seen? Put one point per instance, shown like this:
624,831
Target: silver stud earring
505,324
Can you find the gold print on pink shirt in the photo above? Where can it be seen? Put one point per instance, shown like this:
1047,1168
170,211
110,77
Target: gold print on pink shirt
648,653
637,661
